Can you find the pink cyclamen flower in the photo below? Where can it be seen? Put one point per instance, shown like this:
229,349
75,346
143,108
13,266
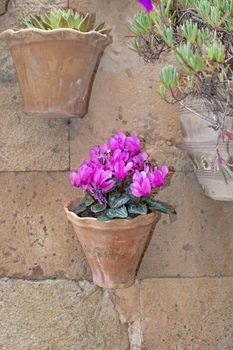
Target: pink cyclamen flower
101,182
119,155
117,141
139,161
141,184
121,170
133,145
157,178
82,177
99,154
148,4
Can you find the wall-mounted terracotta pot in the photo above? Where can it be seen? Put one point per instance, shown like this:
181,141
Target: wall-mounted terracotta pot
200,142
55,68
113,248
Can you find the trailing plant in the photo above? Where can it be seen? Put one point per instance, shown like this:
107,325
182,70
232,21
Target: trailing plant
119,181
59,18
199,34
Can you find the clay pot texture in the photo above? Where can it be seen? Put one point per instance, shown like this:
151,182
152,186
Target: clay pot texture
113,248
200,143
55,68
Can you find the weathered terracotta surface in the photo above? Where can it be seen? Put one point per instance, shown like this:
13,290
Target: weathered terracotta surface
200,142
113,248
55,68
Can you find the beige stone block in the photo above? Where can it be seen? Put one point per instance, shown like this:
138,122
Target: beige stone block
119,102
30,143
125,95
3,6
36,241
58,315
198,242
192,314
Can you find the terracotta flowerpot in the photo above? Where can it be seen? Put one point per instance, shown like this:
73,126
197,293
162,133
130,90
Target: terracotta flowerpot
113,248
200,143
55,68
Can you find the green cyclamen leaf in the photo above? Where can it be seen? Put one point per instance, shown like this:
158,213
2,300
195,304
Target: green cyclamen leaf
82,207
120,213
160,206
88,200
140,209
97,208
102,217
117,200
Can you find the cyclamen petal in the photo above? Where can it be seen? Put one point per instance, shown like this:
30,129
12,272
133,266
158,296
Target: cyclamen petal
148,4
141,185
74,179
121,170
157,178
133,145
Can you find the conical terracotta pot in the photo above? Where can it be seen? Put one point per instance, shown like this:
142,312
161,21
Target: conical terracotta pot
55,68
113,248
200,143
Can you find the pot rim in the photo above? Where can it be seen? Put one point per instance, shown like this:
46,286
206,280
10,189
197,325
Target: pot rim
206,145
141,220
11,34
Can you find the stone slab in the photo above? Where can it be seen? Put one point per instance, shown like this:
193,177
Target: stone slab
187,314
36,241
3,6
29,143
58,315
198,242
116,105
125,95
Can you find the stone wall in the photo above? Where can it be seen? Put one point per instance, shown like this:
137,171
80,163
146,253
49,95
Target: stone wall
184,298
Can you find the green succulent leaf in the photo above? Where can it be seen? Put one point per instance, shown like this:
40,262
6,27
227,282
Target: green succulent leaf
58,18
120,213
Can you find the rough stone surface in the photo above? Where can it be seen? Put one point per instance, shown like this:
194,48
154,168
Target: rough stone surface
36,240
30,143
58,315
191,314
3,7
198,242
125,95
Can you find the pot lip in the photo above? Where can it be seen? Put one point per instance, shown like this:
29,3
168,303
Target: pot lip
141,220
205,145
211,174
14,34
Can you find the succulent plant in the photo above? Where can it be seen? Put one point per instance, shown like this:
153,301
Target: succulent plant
59,18
199,35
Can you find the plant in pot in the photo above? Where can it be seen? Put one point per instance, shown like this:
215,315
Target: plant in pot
199,35
118,213
56,57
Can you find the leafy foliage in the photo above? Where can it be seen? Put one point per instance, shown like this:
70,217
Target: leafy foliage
59,18
132,209
199,35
